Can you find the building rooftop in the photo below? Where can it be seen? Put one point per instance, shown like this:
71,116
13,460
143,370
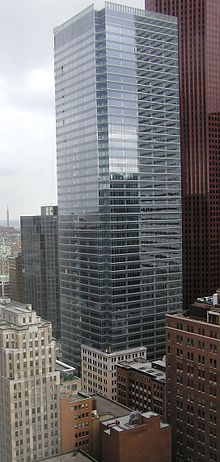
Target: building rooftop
18,315
113,354
106,408
79,397
146,368
204,309
70,457
119,8
132,420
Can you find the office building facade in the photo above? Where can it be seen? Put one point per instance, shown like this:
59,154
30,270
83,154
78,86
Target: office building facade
99,369
118,164
40,271
29,386
199,69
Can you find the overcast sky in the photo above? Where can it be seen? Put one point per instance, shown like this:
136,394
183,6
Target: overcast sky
27,122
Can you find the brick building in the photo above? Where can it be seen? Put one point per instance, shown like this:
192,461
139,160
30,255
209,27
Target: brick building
199,70
193,387
75,414
136,438
142,385
15,277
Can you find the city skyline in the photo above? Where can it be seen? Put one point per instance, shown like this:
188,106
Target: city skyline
28,147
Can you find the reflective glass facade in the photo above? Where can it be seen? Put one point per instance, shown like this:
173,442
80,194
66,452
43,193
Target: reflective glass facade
39,261
117,109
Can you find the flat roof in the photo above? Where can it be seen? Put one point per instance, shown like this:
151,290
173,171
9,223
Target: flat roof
80,396
70,457
125,423
107,408
146,368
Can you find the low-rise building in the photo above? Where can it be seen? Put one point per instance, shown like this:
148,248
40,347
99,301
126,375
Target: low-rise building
137,437
75,412
141,385
99,369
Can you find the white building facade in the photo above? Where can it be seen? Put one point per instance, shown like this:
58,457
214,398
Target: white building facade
99,369
29,385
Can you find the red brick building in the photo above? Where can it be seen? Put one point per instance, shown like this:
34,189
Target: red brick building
199,70
193,381
142,385
136,438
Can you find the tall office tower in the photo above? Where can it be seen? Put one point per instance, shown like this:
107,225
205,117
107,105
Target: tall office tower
193,387
199,70
118,164
40,270
29,386
15,277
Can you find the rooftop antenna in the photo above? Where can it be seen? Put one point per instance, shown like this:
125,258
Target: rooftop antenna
8,222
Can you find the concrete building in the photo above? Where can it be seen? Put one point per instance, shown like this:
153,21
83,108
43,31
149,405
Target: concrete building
4,286
40,278
199,70
29,386
142,385
193,387
138,437
4,266
15,277
98,369
118,168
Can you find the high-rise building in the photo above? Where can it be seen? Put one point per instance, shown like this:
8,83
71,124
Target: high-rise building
199,70
4,266
40,271
193,388
15,277
29,386
118,164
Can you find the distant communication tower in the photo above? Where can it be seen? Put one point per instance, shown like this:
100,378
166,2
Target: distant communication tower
8,221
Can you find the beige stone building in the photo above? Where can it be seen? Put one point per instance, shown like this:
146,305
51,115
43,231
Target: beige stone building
99,369
29,386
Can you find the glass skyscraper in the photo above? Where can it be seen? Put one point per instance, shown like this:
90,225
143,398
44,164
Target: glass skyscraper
119,189
39,261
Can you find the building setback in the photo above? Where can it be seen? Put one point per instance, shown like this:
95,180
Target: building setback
199,70
29,386
193,358
40,274
142,386
118,164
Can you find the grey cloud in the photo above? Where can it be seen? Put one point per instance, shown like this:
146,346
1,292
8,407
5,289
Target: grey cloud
27,146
